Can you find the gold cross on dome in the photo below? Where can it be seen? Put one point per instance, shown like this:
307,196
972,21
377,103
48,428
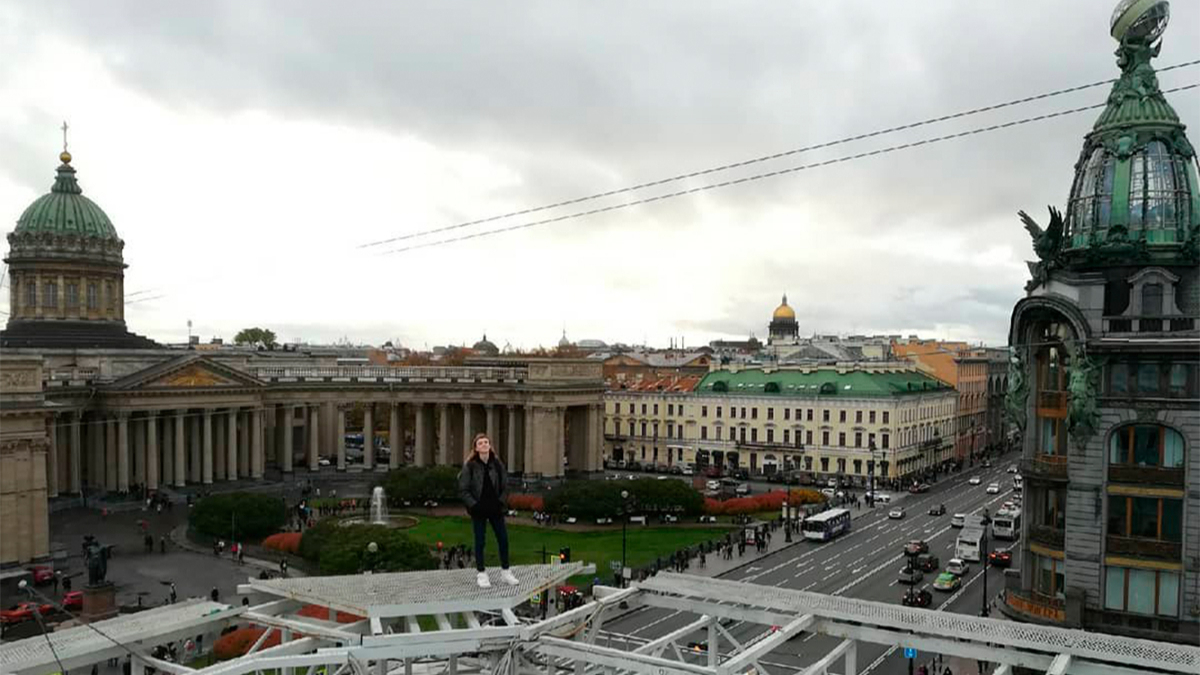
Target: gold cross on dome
64,130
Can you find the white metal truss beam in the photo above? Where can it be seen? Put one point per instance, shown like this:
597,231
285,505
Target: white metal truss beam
615,658
314,627
656,646
756,651
252,662
1060,665
714,609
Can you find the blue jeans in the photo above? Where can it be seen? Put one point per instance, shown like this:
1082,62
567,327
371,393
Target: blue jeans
481,523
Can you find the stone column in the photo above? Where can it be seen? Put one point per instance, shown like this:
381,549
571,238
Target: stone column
560,447
180,461
206,460
395,435
468,426
529,429
168,453
232,444
595,439
314,437
218,448
243,462
369,436
341,438
443,444
123,452
152,450
510,439
256,444
52,457
285,457
138,432
196,451
421,447
493,431
76,479
110,454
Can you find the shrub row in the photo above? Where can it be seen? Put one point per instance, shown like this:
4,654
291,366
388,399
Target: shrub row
768,501
526,502
238,516
592,499
420,484
284,542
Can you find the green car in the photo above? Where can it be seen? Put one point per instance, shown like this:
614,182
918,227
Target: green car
947,582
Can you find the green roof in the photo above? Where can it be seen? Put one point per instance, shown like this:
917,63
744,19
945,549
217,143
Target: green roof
821,382
64,210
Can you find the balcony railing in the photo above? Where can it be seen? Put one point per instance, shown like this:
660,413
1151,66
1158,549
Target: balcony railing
1047,536
1145,475
424,373
1035,604
1049,467
1144,548
1148,324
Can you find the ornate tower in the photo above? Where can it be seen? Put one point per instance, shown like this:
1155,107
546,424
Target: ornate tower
783,328
1104,361
67,273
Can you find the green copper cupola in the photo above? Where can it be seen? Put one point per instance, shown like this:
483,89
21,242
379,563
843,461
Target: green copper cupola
1135,189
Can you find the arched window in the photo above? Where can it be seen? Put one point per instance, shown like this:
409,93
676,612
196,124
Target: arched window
771,388
1091,203
1157,188
1146,445
720,386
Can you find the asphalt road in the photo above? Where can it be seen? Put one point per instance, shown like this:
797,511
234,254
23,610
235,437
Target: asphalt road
861,564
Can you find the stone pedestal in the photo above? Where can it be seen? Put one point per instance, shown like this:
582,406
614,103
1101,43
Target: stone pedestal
99,602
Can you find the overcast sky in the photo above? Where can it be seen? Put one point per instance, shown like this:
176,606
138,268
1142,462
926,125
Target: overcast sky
245,150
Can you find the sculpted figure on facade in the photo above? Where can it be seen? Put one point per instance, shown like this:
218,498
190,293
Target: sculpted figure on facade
1083,412
1047,244
1018,390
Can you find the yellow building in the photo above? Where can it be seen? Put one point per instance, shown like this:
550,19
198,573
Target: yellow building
823,421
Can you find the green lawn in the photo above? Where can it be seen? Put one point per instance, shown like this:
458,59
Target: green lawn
526,542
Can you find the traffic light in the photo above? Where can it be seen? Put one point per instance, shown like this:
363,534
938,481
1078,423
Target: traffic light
564,554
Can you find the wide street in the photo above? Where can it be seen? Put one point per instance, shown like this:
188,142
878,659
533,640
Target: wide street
861,564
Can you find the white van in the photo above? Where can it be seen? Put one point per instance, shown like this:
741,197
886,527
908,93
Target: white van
959,520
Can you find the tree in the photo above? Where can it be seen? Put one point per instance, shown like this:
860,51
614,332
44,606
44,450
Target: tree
345,551
255,336
238,515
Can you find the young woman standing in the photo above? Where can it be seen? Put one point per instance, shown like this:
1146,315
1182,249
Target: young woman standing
483,486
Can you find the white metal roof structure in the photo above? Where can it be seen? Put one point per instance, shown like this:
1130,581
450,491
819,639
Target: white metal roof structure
81,646
421,618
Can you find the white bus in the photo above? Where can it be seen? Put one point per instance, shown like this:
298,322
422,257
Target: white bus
827,525
969,545
1007,525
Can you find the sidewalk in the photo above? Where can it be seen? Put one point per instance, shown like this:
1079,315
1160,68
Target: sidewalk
179,538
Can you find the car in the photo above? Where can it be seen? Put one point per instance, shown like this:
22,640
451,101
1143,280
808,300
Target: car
323,461
828,492
958,520
689,471
1012,468
613,476
974,480
937,510
993,488
1000,558
676,470
917,597
947,582
882,498
22,611
1008,506
742,490
42,574
832,482
896,513
919,488
916,547
73,600
663,478
927,562
910,575
958,567
987,463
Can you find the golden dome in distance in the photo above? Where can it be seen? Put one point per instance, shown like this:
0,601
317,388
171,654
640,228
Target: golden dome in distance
783,311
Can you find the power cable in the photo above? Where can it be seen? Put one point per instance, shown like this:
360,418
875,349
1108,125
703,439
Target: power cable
37,614
763,176
766,158
63,609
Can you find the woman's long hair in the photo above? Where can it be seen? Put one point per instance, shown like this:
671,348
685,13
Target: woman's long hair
473,453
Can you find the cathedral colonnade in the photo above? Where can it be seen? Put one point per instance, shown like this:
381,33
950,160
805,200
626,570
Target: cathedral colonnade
118,448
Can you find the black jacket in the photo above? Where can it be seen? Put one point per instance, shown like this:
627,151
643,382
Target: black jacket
470,480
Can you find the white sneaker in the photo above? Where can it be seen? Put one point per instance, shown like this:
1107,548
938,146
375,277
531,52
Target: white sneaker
482,580
507,577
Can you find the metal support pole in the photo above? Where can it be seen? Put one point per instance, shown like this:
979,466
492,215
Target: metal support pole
713,650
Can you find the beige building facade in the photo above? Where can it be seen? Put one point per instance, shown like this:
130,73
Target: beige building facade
24,458
822,420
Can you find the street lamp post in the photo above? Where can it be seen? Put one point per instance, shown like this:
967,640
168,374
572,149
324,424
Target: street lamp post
983,611
787,520
624,525
871,473
372,549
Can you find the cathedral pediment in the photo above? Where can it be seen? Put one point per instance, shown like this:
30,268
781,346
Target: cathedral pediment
188,372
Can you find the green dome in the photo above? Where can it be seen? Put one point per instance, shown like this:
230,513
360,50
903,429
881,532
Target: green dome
65,211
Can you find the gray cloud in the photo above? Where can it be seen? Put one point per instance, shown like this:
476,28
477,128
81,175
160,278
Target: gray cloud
580,97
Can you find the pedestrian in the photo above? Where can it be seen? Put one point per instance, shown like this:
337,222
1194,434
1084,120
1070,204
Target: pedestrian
173,594
66,584
162,544
215,594
483,486
241,554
